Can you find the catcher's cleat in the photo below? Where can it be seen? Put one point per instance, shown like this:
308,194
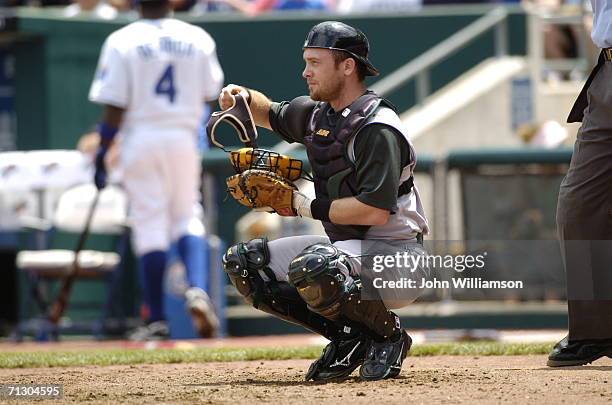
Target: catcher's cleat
384,359
340,357
203,316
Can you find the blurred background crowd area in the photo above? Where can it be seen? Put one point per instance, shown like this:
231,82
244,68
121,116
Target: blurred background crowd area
109,9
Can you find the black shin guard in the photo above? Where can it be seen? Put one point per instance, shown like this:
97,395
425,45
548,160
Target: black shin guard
317,274
243,261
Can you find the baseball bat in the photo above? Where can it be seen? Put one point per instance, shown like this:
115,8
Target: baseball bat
59,305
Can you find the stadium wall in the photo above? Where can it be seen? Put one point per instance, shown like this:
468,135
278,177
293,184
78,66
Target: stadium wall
57,58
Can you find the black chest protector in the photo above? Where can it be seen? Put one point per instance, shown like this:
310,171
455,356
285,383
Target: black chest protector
327,147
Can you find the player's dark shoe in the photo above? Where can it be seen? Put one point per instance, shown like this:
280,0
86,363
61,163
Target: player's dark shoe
339,359
203,315
578,353
157,330
384,359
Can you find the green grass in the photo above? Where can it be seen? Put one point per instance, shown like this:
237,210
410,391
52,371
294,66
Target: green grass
107,357
482,348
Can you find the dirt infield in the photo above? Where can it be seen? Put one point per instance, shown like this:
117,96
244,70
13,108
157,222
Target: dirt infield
495,379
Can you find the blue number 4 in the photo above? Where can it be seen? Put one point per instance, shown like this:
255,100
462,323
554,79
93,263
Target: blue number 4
165,84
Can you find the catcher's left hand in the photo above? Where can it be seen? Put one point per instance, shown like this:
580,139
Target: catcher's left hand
256,188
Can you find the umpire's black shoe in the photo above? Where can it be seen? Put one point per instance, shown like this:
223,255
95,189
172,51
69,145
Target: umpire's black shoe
384,359
578,353
339,359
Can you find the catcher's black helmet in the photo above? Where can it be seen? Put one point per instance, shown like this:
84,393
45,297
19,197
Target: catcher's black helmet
342,37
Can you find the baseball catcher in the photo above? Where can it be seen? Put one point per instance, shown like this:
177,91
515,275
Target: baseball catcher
362,167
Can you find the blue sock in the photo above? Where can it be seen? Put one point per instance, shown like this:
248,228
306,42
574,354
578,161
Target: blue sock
194,255
153,265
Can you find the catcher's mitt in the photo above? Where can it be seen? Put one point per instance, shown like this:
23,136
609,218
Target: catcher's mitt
249,158
256,188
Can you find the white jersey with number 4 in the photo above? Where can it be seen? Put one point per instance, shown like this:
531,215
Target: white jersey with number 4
159,71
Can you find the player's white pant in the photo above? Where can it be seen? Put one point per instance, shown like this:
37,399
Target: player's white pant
161,169
284,250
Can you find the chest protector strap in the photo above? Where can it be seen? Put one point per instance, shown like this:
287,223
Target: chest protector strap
327,147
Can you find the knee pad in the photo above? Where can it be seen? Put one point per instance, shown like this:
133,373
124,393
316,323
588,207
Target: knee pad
243,261
321,275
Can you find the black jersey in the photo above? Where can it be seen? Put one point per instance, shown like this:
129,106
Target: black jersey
380,151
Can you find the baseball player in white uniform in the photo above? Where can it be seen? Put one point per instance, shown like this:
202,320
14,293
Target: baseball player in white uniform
152,79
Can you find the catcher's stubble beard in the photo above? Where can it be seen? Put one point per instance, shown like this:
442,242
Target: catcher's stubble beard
329,89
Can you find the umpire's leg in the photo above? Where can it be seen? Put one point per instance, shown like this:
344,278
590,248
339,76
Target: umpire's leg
584,220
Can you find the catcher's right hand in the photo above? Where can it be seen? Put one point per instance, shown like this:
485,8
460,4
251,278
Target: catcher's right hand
227,95
257,188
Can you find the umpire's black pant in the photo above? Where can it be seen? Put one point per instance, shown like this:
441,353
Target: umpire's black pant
584,216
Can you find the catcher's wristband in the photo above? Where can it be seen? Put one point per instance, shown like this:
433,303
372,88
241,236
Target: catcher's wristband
320,209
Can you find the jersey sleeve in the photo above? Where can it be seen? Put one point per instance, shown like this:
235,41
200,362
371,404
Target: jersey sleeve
111,81
211,70
380,155
290,119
